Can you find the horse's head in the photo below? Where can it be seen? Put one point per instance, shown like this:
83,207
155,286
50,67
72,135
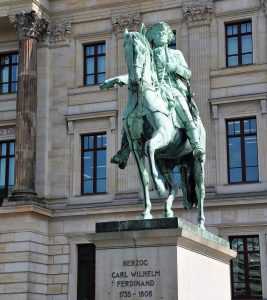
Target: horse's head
136,49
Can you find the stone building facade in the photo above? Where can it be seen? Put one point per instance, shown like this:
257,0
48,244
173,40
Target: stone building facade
53,208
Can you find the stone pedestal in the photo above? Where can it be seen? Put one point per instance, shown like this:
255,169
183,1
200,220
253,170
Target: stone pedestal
162,259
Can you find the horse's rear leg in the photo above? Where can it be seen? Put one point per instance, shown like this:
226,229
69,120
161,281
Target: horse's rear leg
144,179
168,175
156,142
200,190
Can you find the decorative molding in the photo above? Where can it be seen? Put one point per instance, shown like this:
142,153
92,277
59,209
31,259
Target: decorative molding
264,106
264,5
112,121
70,128
7,132
29,24
215,111
60,31
198,11
129,21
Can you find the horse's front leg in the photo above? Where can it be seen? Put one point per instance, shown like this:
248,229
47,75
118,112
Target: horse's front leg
200,190
168,175
144,179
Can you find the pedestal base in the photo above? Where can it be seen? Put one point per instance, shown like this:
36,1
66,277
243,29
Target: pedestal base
174,261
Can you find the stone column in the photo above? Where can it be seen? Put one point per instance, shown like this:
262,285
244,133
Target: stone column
128,178
198,15
29,27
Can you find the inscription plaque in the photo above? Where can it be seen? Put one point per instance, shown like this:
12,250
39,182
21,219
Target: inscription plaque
140,273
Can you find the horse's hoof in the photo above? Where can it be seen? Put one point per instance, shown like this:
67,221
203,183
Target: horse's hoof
201,226
160,188
146,216
167,214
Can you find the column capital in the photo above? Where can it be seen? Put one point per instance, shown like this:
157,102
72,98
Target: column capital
129,21
29,24
198,12
264,6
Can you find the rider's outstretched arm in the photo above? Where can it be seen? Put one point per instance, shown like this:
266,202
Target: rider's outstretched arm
111,82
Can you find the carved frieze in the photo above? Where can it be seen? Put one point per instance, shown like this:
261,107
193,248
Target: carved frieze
5,132
129,21
29,24
198,10
60,31
264,5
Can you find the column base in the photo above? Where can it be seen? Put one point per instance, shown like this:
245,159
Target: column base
21,197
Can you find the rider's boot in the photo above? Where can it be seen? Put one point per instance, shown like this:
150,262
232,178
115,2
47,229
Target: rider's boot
193,137
121,157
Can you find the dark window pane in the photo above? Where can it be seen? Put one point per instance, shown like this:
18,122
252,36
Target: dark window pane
101,49
2,172
3,149
15,73
229,30
231,128
232,61
251,158
252,174
14,87
88,165
101,186
246,126
101,64
4,88
88,187
234,152
15,58
90,65
101,164
237,127
246,59
246,43
4,73
232,46
85,142
101,78
89,50
11,171
12,148
90,79
253,125
236,175
4,60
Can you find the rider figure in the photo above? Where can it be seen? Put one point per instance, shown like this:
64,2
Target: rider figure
172,81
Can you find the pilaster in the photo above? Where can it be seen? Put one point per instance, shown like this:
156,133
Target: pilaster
127,179
198,16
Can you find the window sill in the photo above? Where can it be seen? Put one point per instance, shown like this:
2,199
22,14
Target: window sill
241,188
244,69
86,89
8,96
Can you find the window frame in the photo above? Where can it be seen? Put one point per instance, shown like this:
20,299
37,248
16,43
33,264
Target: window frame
95,56
9,65
242,136
239,45
7,157
95,149
245,252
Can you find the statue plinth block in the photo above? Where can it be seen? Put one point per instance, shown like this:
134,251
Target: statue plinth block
160,259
